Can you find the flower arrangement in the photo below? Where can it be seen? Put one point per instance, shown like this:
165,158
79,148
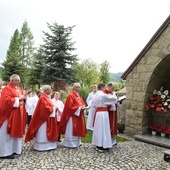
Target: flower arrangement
159,101
167,131
160,128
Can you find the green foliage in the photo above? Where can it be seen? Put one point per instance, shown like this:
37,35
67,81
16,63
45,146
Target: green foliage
88,138
84,93
104,71
118,86
87,72
57,54
27,45
19,55
13,64
36,73
115,77
63,96
53,61
27,51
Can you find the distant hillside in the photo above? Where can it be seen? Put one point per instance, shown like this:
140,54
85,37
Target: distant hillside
115,77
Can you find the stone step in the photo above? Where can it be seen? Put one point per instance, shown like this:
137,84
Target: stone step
167,155
154,139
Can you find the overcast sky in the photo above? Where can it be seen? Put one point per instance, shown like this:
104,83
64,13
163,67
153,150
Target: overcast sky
112,30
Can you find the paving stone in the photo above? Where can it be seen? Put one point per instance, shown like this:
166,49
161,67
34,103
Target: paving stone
130,155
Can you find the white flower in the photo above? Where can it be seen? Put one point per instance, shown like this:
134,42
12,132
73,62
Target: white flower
154,92
168,106
166,92
159,93
168,100
165,104
161,89
163,96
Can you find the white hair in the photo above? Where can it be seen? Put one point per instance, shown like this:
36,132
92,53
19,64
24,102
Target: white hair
76,85
13,76
46,87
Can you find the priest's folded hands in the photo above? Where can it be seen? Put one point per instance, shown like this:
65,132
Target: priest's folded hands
22,97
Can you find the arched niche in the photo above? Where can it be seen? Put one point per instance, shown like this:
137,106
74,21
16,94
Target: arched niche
160,77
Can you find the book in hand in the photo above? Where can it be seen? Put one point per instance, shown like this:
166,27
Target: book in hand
122,98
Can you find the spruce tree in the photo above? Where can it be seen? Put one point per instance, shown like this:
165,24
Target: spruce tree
35,76
58,57
12,64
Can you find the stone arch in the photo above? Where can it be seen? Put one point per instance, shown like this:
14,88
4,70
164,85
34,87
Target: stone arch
160,77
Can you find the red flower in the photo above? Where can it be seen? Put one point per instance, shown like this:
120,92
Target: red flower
159,101
167,131
160,128
158,109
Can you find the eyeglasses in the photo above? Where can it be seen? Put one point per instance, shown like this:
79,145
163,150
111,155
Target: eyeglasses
16,80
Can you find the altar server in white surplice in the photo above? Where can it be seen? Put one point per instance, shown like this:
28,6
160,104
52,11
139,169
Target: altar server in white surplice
101,133
31,104
92,109
59,106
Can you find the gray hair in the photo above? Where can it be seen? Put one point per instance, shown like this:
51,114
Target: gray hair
46,87
76,85
13,76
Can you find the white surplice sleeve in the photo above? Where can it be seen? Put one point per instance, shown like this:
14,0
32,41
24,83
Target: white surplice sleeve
53,113
77,113
16,103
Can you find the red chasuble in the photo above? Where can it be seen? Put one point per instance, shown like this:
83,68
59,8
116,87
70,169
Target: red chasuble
17,117
112,118
42,114
73,102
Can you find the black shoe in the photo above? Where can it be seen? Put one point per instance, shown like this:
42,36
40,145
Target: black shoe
106,149
100,149
8,157
15,154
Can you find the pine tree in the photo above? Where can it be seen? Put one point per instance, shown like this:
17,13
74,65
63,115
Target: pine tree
58,55
12,64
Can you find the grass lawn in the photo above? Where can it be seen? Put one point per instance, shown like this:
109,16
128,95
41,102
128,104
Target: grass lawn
88,138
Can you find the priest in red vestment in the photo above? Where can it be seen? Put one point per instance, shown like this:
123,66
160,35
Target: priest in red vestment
13,118
72,122
43,125
113,118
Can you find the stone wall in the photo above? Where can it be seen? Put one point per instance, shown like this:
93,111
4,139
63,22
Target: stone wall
150,73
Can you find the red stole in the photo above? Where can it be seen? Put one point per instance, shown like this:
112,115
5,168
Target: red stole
112,118
73,102
17,117
41,114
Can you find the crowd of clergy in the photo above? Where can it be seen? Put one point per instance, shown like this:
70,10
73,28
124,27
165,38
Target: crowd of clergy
38,116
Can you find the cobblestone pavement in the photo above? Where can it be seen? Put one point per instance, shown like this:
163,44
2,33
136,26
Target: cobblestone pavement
130,155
